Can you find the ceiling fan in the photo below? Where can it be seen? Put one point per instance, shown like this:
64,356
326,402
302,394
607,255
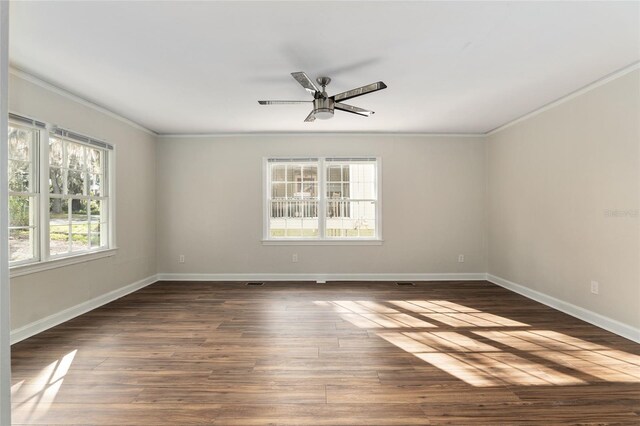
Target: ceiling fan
324,105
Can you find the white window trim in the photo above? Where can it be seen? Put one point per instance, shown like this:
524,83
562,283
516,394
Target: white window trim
321,241
42,261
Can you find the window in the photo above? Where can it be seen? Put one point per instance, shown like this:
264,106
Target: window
23,194
294,199
351,198
59,194
77,197
322,199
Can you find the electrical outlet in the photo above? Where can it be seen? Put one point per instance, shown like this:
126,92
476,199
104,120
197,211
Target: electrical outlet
294,257
595,287
461,258
181,258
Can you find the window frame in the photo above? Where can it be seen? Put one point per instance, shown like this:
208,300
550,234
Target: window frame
42,259
322,238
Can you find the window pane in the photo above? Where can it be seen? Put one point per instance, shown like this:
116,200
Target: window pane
55,151
75,155
334,190
21,245
310,228
351,219
309,209
21,210
58,211
278,173
334,174
345,191
294,218
75,182
20,143
292,189
19,176
346,173
294,172
56,181
58,239
96,229
278,190
309,190
363,180
94,158
79,236
104,234
79,225
337,208
310,173
95,184
79,211
96,213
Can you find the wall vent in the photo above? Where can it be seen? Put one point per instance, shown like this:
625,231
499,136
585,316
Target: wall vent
403,283
255,283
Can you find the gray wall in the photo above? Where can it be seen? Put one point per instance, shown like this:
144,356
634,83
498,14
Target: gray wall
564,188
39,295
210,190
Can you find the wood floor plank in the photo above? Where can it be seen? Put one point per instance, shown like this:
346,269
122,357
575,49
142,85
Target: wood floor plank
527,414
396,394
344,353
322,414
236,394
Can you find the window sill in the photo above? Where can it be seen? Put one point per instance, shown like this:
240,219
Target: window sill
31,268
332,242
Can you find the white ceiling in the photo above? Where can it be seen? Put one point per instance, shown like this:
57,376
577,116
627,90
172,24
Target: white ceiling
183,67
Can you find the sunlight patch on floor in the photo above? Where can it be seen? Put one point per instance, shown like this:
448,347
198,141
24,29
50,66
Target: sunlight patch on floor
32,405
487,349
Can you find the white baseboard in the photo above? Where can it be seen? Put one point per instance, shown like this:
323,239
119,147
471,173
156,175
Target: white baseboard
58,318
324,277
609,324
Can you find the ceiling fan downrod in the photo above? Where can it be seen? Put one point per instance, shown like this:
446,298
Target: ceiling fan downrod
323,105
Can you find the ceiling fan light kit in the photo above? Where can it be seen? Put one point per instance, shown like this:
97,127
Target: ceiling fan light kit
325,105
323,108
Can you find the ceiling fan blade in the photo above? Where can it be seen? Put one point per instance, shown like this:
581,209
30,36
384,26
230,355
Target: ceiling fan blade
283,102
310,117
353,109
373,87
305,82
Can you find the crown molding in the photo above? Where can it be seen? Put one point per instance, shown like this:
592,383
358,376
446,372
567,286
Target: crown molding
581,91
65,93
321,134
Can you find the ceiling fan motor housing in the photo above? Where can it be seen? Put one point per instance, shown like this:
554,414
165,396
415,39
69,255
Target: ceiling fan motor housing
323,108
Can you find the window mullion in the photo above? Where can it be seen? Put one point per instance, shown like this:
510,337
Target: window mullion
109,182
43,196
378,192
266,199
322,208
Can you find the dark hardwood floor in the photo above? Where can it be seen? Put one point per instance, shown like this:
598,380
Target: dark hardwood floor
325,354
